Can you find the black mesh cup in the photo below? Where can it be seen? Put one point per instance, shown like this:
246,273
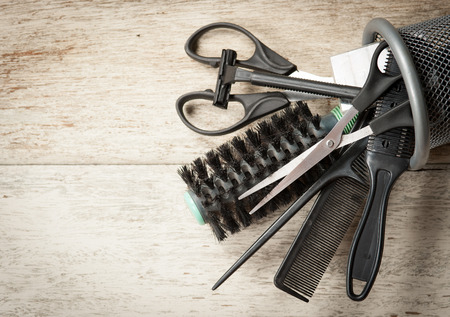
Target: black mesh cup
429,45
422,52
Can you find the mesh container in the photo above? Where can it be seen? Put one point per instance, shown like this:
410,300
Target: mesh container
429,45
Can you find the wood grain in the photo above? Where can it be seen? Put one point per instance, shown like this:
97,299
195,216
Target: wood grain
92,219
96,83
99,240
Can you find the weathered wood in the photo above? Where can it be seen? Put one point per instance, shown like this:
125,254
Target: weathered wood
86,85
96,83
118,240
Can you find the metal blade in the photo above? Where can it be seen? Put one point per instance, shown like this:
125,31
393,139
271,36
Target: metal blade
289,167
282,172
322,149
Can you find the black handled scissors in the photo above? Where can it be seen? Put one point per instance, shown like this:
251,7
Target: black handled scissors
270,69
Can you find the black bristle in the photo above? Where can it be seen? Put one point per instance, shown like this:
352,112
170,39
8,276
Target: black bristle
216,227
304,111
236,165
252,201
244,217
229,222
199,167
279,122
210,182
266,130
303,128
224,152
315,120
288,135
276,142
253,137
191,180
289,112
214,162
249,158
272,168
239,145
187,175
263,150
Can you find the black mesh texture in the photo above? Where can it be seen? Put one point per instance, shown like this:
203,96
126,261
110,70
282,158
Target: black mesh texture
429,46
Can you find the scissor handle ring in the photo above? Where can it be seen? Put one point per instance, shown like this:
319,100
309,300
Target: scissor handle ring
263,57
412,83
255,107
191,43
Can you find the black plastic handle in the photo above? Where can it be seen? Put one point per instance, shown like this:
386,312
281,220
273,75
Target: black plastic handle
399,116
262,59
255,107
376,83
367,246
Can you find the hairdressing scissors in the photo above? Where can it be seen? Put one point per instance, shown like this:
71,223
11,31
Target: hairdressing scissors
376,84
269,69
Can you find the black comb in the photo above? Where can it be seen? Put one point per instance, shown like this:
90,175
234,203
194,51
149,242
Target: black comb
342,168
323,230
335,209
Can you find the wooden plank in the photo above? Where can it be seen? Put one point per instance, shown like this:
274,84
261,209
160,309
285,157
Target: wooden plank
118,241
87,83
96,83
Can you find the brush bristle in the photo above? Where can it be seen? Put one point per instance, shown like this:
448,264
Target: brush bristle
224,173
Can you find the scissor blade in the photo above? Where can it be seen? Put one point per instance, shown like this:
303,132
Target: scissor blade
282,172
355,136
289,167
321,150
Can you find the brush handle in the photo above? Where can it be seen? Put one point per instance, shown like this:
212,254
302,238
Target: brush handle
367,246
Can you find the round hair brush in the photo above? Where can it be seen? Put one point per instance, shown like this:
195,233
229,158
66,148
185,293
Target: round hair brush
216,179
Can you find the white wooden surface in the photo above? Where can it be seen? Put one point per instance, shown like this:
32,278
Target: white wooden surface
92,220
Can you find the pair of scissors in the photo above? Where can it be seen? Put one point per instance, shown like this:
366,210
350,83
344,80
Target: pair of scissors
272,70
269,69
376,84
